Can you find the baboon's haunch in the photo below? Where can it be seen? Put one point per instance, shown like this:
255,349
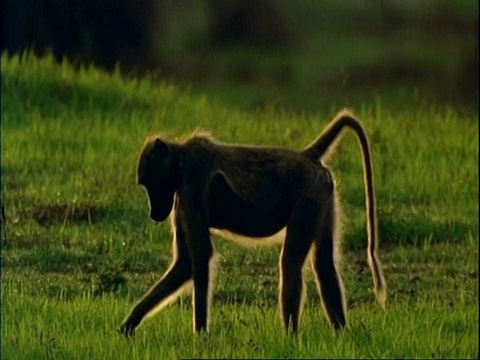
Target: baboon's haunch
251,191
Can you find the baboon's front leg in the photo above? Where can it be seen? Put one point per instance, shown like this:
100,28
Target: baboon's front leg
160,294
201,251
202,255
166,289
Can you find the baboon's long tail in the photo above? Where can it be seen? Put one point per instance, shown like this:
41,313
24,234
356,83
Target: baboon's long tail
318,148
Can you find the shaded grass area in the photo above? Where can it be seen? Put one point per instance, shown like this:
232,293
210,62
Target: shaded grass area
347,53
80,247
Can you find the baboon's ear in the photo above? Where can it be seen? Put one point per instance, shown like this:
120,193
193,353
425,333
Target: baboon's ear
160,148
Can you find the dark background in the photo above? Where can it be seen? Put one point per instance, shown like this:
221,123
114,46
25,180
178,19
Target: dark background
299,55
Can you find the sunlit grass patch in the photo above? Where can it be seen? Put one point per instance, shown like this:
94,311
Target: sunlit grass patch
80,248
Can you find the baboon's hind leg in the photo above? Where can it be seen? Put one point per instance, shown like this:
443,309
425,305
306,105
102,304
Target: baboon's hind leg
299,235
329,282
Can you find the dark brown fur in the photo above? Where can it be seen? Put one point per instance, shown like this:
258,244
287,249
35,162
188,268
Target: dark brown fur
253,192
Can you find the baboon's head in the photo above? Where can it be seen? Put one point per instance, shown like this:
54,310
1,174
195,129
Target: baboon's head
157,172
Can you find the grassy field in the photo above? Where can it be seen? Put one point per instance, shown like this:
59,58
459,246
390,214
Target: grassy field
407,53
80,248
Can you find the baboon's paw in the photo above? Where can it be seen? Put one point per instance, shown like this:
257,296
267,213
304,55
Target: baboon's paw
127,330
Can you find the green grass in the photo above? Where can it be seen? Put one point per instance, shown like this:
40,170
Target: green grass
80,247
339,53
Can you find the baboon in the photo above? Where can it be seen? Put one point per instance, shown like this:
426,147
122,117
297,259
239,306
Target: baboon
253,192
